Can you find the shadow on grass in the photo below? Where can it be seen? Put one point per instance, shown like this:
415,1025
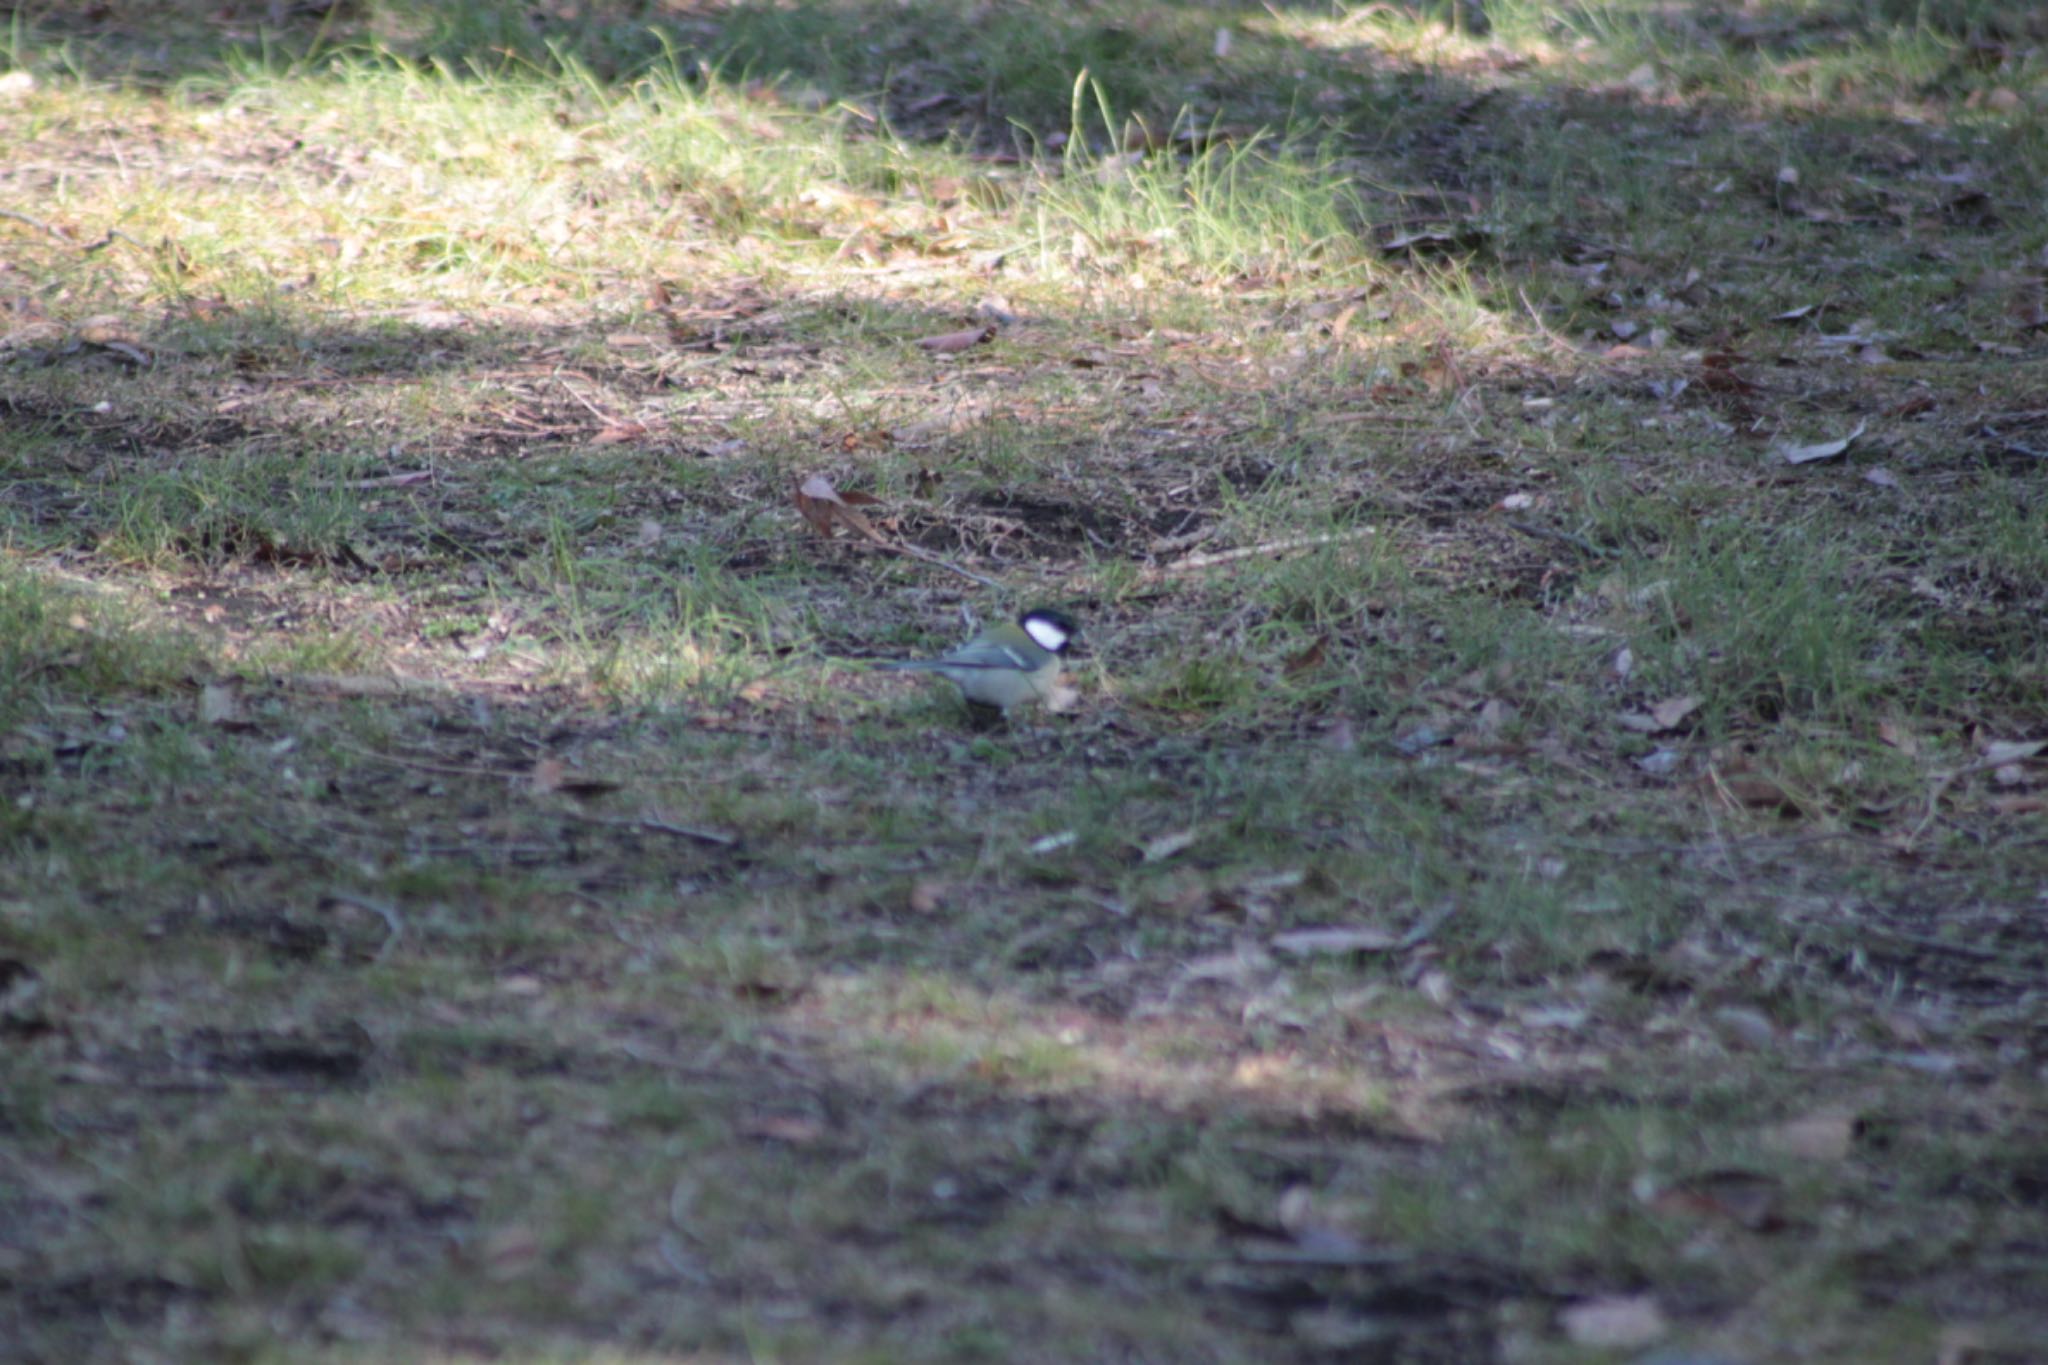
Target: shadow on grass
380,1030
990,72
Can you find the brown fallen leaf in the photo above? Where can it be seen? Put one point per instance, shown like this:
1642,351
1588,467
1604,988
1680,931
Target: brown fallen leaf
1747,1198
619,433
1753,790
949,343
821,505
798,1130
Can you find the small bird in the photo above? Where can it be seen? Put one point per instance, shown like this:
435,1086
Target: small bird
1006,665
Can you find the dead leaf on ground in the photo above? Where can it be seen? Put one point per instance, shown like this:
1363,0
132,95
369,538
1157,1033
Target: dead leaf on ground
950,343
821,505
1418,739
1824,450
1665,715
1999,752
1314,1227
1166,845
1753,790
1824,1135
1616,1322
1745,1027
1353,938
220,705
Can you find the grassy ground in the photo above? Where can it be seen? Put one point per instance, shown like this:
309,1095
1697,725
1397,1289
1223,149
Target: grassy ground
1536,871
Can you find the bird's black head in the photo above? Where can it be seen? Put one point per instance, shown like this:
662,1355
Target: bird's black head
1053,630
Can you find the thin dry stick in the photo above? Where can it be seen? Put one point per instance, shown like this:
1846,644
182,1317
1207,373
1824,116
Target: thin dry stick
847,516
1942,782
445,769
113,235
654,826
1562,343
928,557
39,225
392,922
1580,543
599,413
1271,547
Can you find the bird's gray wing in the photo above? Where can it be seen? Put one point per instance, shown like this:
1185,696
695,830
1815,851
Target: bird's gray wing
970,655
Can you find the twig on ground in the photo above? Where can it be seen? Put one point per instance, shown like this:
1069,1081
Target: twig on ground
1942,782
928,557
594,410
658,826
393,922
112,235
1271,547
1579,543
1563,343
1659,847
446,769
106,240
880,541
40,226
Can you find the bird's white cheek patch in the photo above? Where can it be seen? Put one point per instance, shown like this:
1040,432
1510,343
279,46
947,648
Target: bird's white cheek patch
1048,635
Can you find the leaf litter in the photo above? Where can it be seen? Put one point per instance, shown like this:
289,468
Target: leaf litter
560,911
